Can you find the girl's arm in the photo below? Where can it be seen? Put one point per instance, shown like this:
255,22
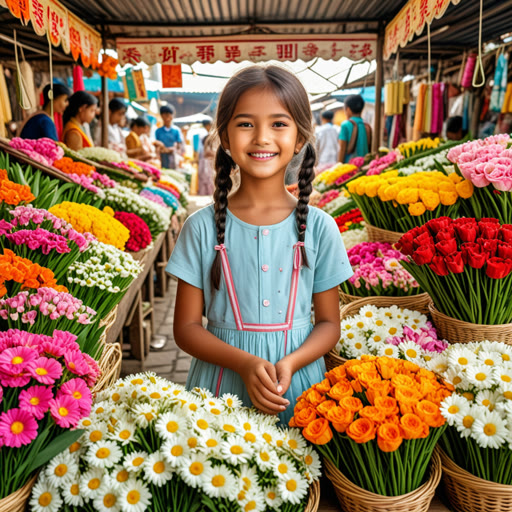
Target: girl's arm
323,338
258,374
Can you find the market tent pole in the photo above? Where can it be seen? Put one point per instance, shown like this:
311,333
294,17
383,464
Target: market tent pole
104,98
379,79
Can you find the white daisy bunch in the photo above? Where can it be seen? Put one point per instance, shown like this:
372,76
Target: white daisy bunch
353,237
101,275
479,413
342,200
392,332
124,199
99,154
150,445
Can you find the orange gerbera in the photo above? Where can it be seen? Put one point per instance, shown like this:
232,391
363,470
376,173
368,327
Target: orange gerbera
12,193
318,431
389,437
361,430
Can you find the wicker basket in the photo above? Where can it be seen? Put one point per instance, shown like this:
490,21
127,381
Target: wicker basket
332,359
468,493
457,331
416,302
108,322
314,497
110,365
17,501
353,498
382,235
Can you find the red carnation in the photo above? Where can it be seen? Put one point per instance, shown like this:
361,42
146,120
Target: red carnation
140,235
506,232
447,246
489,246
473,255
498,268
454,262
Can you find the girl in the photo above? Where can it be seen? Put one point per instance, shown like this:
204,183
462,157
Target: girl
258,258
81,110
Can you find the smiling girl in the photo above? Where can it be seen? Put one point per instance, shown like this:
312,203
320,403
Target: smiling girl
258,258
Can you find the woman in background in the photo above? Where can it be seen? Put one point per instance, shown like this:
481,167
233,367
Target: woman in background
81,110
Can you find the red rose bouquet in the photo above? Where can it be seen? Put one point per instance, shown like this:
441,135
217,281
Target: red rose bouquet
465,265
140,235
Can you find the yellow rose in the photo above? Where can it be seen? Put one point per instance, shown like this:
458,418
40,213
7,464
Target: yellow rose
407,196
430,199
447,186
393,191
372,189
417,209
455,178
448,198
465,189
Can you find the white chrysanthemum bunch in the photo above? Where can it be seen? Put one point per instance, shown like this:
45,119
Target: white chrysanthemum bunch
427,163
353,237
342,200
99,154
391,332
127,200
151,445
481,408
101,276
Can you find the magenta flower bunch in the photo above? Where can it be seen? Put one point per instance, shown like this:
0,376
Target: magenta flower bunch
153,197
327,197
425,337
102,180
85,181
377,271
44,150
149,169
45,391
380,164
44,310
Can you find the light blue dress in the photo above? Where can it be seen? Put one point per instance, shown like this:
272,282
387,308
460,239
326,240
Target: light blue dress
261,260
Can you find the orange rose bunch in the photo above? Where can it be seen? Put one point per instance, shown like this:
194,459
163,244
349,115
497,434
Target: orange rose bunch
13,194
25,273
370,412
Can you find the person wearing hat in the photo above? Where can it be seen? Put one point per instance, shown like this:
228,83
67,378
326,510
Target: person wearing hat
41,124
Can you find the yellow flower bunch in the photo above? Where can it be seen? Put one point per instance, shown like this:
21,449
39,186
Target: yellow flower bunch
101,224
134,166
330,176
408,149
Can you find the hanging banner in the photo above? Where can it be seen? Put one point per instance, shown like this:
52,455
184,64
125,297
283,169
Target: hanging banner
171,76
134,86
63,27
411,20
254,48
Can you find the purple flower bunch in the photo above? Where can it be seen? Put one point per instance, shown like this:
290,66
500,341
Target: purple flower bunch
28,216
44,150
377,271
31,311
425,337
153,197
380,164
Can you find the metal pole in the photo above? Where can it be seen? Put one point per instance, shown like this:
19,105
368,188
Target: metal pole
379,80
104,100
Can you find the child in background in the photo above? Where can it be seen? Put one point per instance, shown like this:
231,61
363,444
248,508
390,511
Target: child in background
258,258
170,136
355,134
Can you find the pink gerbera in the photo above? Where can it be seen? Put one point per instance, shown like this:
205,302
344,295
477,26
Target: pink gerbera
19,380
36,400
94,370
66,340
65,411
45,370
76,363
14,360
53,349
77,389
17,428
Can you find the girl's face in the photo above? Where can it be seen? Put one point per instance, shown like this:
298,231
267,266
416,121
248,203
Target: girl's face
86,113
60,103
261,135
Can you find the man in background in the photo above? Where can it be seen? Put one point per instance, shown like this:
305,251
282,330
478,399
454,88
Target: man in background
327,139
170,136
355,134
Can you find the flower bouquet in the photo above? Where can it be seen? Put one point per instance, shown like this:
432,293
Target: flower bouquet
377,271
391,332
101,277
377,421
126,200
147,194
465,266
169,197
334,177
356,234
350,220
45,391
140,236
335,203
413,148
87,219
381,164
99,154
479,413
389,201
149,445
488,165
149,169
43,150
12,194
69,166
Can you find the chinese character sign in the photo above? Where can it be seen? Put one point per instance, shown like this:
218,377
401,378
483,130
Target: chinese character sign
256,48
411,20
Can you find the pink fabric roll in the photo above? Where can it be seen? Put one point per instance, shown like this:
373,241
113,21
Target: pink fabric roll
78,79
467,77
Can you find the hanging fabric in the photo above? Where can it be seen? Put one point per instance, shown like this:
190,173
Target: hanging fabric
25,88
5,105
507,102
500,83
420,109
78,79
469,69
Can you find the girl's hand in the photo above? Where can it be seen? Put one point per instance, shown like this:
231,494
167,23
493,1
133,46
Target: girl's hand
284,371
260,378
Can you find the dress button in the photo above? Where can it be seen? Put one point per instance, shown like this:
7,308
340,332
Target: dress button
266,303
264,268
265,232
279,311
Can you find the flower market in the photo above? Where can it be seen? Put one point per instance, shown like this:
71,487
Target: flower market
106,155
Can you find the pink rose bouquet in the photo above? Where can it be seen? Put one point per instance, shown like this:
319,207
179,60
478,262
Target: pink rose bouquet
487,164
45,151
45,390
377,271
